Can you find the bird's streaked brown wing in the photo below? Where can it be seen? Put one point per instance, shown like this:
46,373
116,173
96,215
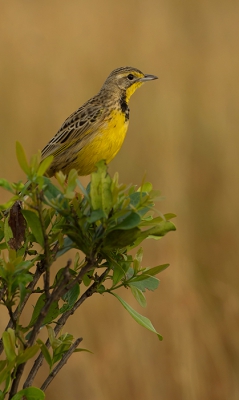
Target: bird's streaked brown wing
82,122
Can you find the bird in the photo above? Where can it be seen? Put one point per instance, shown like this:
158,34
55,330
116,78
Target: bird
96,130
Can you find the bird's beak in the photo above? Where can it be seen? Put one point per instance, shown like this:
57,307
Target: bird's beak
148,78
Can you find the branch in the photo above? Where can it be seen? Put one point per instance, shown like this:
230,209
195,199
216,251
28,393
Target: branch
92,289
55,296
12,319
37,364
63,361
61,322
16,381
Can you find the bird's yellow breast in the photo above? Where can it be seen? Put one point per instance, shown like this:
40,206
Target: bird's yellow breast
105,144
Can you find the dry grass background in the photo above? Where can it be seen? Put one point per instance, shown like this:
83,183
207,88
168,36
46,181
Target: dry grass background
184,134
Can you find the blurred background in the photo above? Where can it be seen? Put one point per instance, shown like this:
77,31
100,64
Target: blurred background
184,135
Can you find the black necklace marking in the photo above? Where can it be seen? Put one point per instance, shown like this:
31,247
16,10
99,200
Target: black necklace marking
124,107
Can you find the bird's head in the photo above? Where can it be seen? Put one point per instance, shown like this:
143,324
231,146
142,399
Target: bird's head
126,80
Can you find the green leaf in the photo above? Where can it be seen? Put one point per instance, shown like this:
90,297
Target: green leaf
27,354
30,393
51,335
8,338
6,185
5,375
100,189
8,380
21,281
21,157
119,239
151,221
143,282
137,260
22,284
161,229
101,289
143,321
139,255
139,296
118,274
70,298
87,278
52,313
71,182
45,164
146,187
156,270
96,215
35,161
59,352
7,230
51,191
129,222
35,225
8,204
83,190
137,198
157,232
2,364
37,309
130,273
169,216
81,349
3,246
45,352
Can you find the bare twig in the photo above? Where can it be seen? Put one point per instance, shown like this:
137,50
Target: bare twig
63,361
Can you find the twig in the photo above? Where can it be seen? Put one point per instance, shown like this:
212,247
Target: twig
37,364
61,322
46,279
12,319
55,296
63,361
92,289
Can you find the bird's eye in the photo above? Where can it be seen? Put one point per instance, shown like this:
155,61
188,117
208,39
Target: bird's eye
130,77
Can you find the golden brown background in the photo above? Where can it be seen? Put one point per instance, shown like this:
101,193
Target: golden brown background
184,134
